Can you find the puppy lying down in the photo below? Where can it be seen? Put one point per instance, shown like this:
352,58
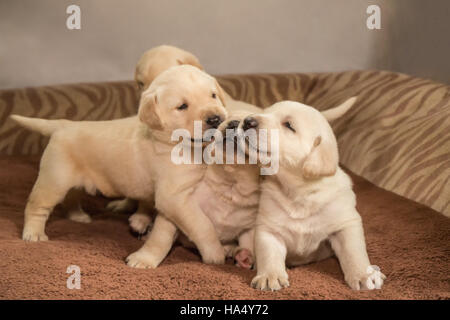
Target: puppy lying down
132,158
307,210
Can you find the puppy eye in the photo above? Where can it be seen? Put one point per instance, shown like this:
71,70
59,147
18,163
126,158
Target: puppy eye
288,125
214,95
184,106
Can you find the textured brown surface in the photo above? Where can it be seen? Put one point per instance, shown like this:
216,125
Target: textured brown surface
407,240
397,135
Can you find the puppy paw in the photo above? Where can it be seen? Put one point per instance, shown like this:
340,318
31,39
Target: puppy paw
80,216
142,260
121,206
214,257
34,236
372,279
244,258
140,222
271,281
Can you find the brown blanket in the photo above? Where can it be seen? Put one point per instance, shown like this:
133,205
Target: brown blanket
409,241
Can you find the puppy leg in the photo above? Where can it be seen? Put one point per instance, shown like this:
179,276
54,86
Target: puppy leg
73,208
43,198
157,245
141,221
200,230
56,177
350,248
190,219
270,253
123,205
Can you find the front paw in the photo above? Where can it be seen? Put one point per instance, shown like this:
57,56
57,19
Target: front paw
34,236
121,206
370,280
271,281
142,260
214,256
140,222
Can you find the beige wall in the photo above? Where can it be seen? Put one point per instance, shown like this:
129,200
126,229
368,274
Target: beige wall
233,36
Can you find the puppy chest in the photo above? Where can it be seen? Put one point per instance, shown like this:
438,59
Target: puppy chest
228,219
303,239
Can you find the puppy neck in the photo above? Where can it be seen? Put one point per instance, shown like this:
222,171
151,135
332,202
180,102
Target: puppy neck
291,181
160,137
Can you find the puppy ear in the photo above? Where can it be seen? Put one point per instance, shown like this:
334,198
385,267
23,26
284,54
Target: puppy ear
322,160
147,111
220,93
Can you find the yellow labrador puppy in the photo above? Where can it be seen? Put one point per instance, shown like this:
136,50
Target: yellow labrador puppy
307,210
132,158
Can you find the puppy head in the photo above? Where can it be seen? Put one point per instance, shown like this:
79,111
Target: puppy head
306,141
156,60
178,97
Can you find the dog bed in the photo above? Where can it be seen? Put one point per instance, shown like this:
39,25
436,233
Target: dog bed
394,142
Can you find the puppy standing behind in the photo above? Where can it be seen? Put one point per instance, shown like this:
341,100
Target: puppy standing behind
307,210
132,158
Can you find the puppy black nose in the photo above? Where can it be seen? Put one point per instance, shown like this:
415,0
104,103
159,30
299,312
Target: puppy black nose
214,121
250,123
233,124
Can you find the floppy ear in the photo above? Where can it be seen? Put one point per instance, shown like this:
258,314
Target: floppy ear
220,92
147,111
322,160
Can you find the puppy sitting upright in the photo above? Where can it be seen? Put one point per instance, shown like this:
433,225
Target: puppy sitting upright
132,158
307,210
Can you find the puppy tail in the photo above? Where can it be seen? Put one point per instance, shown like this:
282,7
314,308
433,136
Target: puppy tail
43,126
339,111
